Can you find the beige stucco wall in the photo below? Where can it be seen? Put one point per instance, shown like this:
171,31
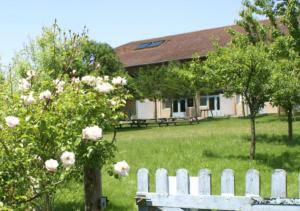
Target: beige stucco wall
162,112
268,109
228,107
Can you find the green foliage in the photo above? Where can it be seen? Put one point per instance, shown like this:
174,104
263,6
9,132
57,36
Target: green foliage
278,12
148,82
284,33
54,52
53,124
101,53
285,74
241,68
167,81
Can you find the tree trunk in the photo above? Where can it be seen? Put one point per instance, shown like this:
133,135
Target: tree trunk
47,203
92,188
253,138
171,109
155,110
290,125
243,106
195,104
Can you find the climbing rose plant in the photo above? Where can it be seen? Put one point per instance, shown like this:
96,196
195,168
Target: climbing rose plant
52,129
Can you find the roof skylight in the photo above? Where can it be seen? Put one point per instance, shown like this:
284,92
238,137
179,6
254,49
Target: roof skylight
149,44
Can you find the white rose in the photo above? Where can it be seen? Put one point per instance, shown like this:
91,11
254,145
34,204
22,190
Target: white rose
75,80
104,87
92,133
34,182
90,80
99,80
98,65
106,78
112,102
45,95
24,84
119,81
59,85
122,168
30,74
29,99
12,121
67,158
51,165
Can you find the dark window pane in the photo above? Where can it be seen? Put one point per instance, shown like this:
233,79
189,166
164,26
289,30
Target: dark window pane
218,103
182,105
203,101
190,102
212,103
175,106
149,44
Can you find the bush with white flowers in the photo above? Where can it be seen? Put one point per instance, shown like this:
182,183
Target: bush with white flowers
44,142
55,114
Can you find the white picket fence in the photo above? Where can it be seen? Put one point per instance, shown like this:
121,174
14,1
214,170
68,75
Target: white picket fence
194,193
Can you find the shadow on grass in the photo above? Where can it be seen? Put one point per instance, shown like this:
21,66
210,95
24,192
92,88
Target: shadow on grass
70,206
279,139
288,161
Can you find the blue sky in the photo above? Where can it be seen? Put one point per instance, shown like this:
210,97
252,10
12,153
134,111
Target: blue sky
112,21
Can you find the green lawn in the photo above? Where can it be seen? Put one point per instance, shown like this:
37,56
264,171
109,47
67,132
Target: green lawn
215,144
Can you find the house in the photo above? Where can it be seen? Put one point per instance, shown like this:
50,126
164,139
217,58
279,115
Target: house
181,47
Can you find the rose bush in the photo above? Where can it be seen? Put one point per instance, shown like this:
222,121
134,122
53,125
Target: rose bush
52,128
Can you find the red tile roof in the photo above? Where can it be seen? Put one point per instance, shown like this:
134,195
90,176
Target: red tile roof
175,47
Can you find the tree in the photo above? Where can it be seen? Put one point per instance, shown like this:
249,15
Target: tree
101,54
284,32
285,81
56,115
243,68
148,82
167,81
178,82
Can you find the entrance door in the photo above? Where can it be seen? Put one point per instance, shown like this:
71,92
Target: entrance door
214,105
179,108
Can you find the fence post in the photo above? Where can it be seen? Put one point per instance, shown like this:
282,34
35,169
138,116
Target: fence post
204,183
252,183
162,181
278,186
227,182
182,182
204,178
142,187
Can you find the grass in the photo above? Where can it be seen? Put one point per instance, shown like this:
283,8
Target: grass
215,144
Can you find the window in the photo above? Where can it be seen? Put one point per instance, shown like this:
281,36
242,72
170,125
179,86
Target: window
182,105
218,103
203,101
175,106
211,103
149,44
190,102
166,104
